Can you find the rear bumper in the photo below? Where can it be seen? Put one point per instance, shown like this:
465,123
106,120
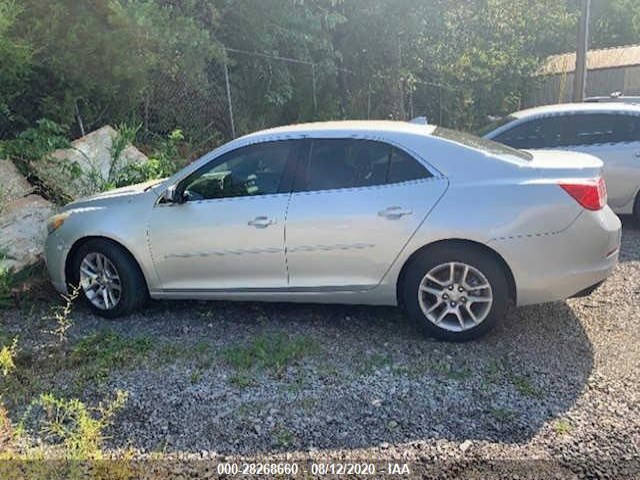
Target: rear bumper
556,266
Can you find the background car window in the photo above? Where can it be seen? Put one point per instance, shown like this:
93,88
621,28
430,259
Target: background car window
589,129
345,163
253,170
593,129
627,128
539,133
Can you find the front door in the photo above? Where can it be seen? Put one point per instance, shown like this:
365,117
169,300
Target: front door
229,231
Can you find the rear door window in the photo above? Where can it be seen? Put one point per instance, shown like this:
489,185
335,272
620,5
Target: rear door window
353,163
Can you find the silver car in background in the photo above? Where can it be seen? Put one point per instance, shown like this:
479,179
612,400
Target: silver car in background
609,131
452,227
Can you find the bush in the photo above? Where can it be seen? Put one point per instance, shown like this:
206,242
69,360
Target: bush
164,162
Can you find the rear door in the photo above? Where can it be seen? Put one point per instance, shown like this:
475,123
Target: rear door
355,205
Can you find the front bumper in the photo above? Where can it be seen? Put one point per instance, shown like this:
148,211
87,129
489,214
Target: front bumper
557,266
55,252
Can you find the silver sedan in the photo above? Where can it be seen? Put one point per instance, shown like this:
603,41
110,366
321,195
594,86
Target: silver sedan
451,227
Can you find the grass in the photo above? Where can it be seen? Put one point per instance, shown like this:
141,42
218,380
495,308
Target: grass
497,371
272,353
282,437
562,427
200,354
524,386
98,354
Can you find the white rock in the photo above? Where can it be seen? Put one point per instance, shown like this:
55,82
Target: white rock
466,445
23,230
13,185
92,153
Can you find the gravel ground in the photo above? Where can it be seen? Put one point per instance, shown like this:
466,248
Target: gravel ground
553,389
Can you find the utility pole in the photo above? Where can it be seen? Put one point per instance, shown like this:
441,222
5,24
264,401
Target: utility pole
580,77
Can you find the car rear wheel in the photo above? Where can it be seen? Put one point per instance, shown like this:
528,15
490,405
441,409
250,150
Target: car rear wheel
455,292
109,279
636,208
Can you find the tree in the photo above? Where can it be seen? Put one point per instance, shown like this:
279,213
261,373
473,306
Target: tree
15,64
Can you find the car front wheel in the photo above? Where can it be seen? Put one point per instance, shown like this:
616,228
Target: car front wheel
109,279
455,292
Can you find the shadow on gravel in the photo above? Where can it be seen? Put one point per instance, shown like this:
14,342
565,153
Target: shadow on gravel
630,248
370,380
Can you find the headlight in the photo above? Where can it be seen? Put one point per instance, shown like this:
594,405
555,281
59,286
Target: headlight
56,222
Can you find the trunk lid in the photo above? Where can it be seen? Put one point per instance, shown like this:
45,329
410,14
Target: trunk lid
563,164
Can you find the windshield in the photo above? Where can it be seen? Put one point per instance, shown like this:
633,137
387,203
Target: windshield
482,144
481,132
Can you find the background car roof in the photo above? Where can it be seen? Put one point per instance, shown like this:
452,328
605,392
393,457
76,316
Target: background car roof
577,107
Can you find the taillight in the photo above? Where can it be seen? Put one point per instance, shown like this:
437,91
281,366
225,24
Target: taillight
591,194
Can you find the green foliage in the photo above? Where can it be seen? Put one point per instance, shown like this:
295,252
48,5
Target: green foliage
70,424
62,314
7,357
160,63
615,22
101,352
36,143
164,162
271,352
7,283
15,62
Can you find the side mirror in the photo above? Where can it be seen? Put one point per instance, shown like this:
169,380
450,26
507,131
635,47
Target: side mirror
171,195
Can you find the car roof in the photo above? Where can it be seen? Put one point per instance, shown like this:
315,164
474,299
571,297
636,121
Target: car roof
577,107
345,127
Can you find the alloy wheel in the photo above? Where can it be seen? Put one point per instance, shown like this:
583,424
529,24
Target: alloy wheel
100,281
455,296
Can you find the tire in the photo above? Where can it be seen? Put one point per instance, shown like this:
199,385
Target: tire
463,319
130,289
636,208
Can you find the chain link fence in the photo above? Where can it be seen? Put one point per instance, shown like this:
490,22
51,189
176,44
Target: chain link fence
253,90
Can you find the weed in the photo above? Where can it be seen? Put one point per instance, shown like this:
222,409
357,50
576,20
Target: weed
71,424
282,437
195,377
241,380
62,314
7,283
562,427
7,357
497,371
524,386
271,352
104,351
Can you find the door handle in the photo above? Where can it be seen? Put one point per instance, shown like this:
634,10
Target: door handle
261,222
638,154
395,212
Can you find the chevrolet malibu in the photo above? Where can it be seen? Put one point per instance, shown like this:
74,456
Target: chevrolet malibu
451,227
